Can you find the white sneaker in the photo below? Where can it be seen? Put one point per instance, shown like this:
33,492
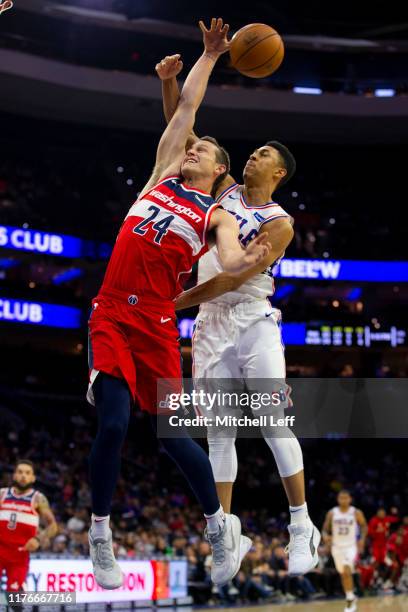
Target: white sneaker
106,570
246,544
302,548
351,605
226,550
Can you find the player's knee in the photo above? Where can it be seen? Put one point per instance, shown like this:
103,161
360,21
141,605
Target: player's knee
286,450
223,458
114,430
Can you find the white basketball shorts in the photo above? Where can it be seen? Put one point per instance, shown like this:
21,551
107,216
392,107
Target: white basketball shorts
344,556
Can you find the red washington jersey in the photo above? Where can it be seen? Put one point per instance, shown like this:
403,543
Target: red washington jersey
19,520
162,236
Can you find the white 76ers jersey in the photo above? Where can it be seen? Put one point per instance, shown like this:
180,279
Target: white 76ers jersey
250,220
344,527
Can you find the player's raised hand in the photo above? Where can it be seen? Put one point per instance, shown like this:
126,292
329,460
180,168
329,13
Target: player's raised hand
257,250
215,38
169,67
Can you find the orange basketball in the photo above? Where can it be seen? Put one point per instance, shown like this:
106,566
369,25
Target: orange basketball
256,50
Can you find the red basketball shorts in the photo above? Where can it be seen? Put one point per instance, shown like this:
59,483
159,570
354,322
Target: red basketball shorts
379,552
16,568
135,339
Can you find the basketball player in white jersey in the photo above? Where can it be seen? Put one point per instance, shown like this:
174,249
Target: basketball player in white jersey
238,332
345,530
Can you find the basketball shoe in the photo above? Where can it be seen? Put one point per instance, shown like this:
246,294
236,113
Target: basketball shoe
106,570
351,605
302,548
226,550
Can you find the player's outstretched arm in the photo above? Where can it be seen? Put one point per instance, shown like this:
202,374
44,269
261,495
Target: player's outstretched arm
234,258
279,235
172,144
167,70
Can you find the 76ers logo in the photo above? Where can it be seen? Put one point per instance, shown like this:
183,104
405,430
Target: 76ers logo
5,5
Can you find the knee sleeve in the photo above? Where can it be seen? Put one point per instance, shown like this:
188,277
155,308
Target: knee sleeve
223,456
287,452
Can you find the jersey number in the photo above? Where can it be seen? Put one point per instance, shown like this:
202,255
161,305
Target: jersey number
13,521
161,227
344,531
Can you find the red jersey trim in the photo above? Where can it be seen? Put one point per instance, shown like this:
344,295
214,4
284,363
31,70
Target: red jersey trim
245,205
273,218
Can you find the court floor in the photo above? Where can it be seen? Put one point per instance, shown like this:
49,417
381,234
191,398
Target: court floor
369,604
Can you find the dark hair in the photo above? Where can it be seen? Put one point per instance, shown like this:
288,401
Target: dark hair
286,158
223,158
344,492
25,462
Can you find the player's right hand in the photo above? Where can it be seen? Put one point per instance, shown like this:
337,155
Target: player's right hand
215,38
169,67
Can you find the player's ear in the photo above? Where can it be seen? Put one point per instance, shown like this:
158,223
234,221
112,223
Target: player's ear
280,173
220,169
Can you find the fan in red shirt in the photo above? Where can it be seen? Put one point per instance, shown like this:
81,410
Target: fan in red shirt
398,543
379,531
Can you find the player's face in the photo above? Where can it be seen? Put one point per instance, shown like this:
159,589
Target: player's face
344,500
201,161
381,513
262,165
24,476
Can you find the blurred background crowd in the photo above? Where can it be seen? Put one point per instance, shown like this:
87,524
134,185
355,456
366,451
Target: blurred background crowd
154,515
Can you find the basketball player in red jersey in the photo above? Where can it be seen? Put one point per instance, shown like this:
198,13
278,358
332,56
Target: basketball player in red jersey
21,509
379,531
133,335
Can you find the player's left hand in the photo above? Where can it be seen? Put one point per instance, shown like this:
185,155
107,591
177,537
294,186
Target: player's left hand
31,545
169,67
361,546
257,249
215,39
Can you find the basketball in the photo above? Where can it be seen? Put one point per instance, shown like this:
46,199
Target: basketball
257,50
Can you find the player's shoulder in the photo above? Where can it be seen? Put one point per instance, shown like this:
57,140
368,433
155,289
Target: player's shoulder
272,211
39,498
232,190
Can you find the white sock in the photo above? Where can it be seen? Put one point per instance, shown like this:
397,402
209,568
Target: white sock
100,526
215,522
298,514
349,595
